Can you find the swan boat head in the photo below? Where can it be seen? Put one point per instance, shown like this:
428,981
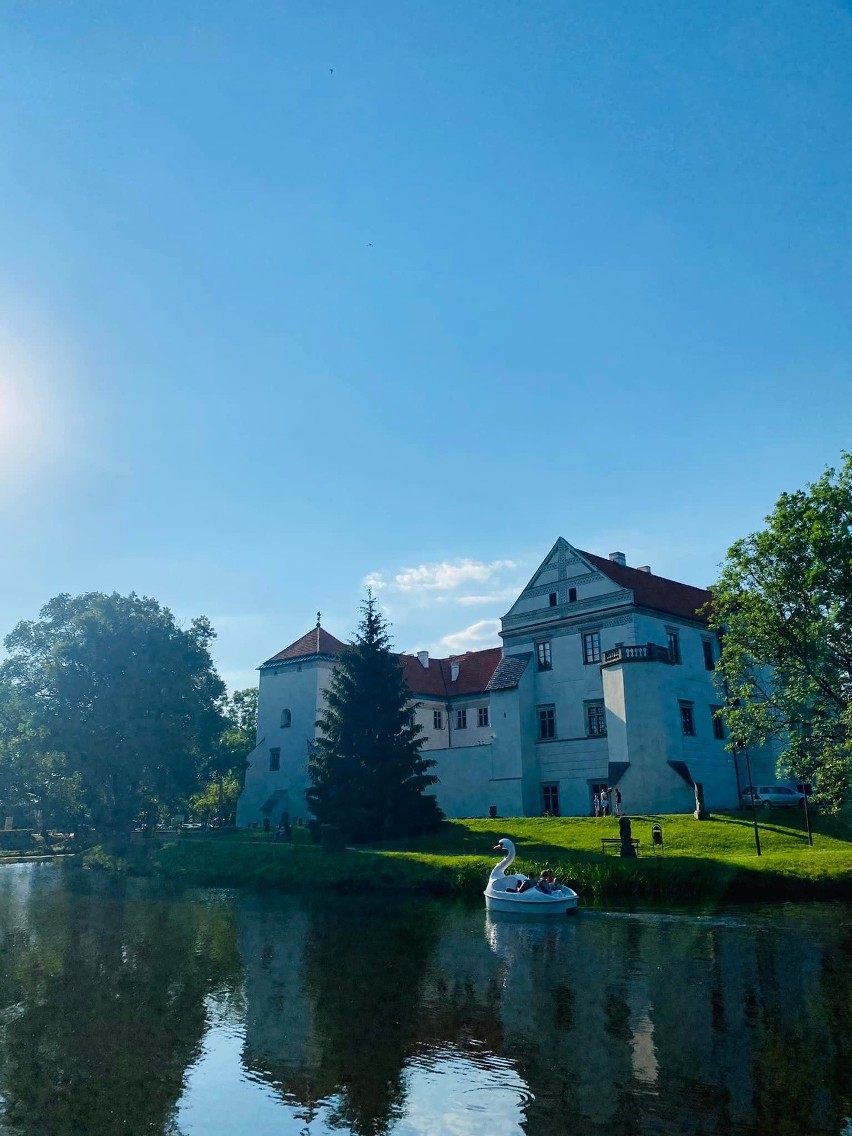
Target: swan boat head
504,844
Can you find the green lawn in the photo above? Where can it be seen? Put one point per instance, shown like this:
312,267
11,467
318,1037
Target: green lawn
713,860
717,854
723,836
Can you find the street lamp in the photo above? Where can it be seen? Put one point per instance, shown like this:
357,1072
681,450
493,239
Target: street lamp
753,805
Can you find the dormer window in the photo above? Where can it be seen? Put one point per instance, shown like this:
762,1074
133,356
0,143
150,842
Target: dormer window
286,719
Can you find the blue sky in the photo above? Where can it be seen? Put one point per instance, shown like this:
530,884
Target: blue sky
300,295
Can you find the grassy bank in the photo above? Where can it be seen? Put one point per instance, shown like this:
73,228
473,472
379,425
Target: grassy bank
713,860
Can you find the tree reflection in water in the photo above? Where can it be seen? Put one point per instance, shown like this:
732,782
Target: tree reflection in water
333,994
108,993
352,1015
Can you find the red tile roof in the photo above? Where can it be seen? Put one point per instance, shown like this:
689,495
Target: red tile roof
434,681
316,642
475,671
655,592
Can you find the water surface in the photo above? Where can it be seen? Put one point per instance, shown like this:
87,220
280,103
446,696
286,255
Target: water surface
130,1007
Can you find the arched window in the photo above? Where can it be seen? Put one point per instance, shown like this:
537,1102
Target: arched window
286,719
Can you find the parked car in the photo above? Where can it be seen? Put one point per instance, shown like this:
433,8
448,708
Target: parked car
772,796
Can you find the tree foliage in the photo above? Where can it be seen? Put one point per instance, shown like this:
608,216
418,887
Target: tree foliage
367,773
783,606
108,695
226,774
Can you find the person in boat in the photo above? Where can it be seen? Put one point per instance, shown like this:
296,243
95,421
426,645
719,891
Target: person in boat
547,882
523,885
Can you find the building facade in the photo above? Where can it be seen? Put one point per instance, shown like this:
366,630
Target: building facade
606,677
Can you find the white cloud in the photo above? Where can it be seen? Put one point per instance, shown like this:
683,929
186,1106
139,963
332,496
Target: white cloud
440,576
375,581
474,638
502,596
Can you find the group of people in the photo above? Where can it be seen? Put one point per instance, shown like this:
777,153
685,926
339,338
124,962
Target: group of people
546,883
607,802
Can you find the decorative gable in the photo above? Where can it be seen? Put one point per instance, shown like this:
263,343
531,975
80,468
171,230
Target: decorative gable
566,583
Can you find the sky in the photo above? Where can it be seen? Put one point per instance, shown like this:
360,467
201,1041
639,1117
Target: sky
301,297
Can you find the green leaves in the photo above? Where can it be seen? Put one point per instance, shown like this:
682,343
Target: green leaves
366,770
111,691
783,606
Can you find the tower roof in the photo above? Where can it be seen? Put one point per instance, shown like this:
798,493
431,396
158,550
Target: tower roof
318,641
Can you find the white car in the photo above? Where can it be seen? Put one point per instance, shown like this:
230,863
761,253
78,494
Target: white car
772,796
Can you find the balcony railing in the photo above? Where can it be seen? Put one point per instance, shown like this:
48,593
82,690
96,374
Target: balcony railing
638,653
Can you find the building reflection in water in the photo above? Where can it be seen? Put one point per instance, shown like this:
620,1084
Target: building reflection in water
128,1009
610,1020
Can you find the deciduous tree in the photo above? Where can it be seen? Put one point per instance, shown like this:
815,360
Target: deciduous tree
783,606
367,772
228,761
124,699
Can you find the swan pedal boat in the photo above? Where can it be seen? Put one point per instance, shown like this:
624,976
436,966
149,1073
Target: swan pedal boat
532,901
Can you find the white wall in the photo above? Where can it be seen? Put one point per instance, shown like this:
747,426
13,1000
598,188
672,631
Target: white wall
295,686
450,736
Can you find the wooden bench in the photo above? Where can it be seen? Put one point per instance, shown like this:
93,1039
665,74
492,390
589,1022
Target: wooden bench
608,842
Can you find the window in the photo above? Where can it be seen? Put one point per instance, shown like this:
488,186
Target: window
553,599
572,595
687,719
274,760
461,719
286,719
674,645
542,653
546,722
718,723
550,799
592,647
708,655
482,716
438,719
596,720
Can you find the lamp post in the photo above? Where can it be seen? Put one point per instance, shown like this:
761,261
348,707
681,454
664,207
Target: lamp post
805,789
735,703
753,805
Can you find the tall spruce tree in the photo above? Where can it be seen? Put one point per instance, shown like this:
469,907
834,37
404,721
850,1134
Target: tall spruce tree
367,773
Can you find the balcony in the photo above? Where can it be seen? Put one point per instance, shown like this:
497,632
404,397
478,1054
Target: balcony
637,653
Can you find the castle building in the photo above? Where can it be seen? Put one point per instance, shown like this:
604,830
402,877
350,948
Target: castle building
605,678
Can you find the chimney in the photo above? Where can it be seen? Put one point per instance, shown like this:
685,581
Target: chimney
644,568
423,659
618,558
454,670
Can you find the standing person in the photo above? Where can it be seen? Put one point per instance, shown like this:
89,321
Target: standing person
596,804
604,803
618,802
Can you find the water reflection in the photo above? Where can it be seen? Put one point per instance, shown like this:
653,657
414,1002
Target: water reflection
127,1009
333,1002
102,995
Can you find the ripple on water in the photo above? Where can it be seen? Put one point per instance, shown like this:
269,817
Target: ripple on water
454,1090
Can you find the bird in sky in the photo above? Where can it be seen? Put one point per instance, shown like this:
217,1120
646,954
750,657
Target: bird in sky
331,70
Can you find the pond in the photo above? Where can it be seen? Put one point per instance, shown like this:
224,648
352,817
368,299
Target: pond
127,1007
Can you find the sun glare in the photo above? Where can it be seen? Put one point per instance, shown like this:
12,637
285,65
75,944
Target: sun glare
28,430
